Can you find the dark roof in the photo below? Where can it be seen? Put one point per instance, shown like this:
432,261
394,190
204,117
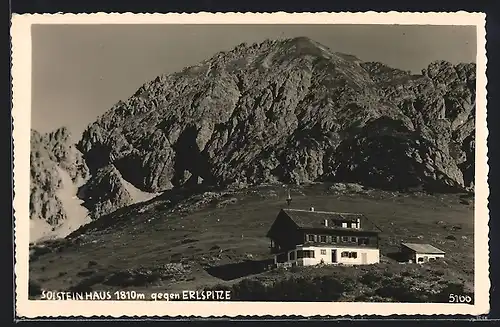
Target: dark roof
341,245
315,219
423,248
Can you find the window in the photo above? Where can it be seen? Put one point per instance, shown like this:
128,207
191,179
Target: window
354,225
322,239
420,259
363,241
344,225
305,254
323,252
308,253
334,239
347,254
345,239
292,255
354,239
310,238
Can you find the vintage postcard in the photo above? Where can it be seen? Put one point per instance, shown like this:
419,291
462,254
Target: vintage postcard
209,165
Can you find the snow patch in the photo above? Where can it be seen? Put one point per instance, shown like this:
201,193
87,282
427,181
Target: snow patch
76,213
40,230
136,194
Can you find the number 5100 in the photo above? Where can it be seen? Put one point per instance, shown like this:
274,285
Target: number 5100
453,298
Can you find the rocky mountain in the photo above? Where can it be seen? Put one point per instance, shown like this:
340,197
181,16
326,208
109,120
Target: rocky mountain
60,182
57,169
288,111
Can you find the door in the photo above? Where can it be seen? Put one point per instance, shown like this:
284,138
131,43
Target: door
334,256
364,259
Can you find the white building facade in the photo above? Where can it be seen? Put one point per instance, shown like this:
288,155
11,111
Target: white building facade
305,238
314,255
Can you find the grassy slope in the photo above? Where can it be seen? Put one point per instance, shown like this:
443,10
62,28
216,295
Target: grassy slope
223,234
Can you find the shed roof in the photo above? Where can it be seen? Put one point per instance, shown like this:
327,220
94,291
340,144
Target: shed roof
315,219
423,248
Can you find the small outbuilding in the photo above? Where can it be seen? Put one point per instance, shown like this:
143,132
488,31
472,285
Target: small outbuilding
419,253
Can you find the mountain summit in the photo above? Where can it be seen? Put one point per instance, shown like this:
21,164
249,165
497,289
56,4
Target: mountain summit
288,111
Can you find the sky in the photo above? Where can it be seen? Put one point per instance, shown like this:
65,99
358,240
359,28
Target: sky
81,71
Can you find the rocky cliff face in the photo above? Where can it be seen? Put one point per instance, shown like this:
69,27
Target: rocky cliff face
64,196
287,111
57,168
292,111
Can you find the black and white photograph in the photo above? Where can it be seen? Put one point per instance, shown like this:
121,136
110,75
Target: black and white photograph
321,163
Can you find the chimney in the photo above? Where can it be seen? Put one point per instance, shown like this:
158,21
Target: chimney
311,209
289,198
326,222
